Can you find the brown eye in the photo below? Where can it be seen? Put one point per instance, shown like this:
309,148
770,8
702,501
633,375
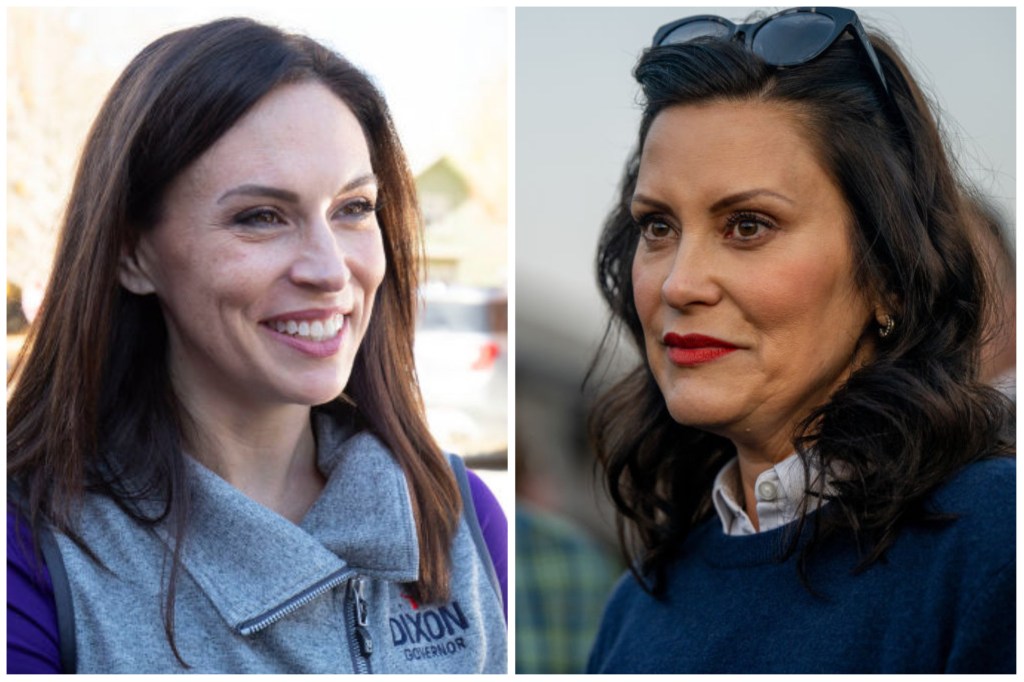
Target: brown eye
653,229
748,227
358,207
260,217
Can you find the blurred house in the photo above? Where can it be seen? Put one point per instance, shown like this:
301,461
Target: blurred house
461,338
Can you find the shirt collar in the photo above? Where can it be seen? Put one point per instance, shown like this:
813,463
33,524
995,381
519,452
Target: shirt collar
724,493
780,490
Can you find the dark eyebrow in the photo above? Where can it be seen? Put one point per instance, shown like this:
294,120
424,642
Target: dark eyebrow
255,190
645,200
366,179
252,190
720,205
733,199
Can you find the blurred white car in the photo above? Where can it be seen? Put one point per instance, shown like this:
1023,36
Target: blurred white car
462,363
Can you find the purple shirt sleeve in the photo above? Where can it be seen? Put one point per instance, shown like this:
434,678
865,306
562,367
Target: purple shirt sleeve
495,529
32,640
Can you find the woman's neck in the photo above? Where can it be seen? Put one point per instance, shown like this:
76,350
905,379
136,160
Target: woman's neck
269,454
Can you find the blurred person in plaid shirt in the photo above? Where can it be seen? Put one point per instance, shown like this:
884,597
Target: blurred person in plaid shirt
563,579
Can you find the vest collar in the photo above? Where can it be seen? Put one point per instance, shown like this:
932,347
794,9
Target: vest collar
250,561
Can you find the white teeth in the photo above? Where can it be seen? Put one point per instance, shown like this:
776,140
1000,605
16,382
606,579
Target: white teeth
317,330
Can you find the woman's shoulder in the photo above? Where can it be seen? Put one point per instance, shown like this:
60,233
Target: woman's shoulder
631,615
974,558
484,499
980,503
627,593
629,607
493,525
32,632
491,518
22,554
984,491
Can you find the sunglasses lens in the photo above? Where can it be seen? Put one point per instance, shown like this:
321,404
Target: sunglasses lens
691,30
793,39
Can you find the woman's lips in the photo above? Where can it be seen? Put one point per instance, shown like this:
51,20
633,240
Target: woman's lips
315,332
695,349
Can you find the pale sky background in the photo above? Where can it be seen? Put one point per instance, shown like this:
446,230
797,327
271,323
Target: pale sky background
577,117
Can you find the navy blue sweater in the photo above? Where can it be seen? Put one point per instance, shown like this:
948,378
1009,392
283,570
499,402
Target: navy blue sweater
943,600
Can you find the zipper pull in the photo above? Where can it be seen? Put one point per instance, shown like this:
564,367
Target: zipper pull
363,636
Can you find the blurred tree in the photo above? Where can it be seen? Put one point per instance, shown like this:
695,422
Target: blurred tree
48,113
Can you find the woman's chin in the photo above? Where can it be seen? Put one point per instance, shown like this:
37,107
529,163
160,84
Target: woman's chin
316,392
714,411
703,422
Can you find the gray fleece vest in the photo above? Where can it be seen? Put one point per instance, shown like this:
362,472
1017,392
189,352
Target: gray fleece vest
259,594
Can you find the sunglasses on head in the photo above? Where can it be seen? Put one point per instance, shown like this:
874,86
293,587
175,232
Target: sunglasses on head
788,38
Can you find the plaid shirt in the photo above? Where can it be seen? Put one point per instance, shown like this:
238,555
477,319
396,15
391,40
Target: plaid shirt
562,582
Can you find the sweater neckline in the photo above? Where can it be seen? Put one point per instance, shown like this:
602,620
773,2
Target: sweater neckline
711,544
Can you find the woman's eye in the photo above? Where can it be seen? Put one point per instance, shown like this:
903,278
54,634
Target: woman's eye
747,227
653,229
260,217
358,208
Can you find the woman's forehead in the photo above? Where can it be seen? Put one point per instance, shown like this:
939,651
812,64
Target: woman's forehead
729,147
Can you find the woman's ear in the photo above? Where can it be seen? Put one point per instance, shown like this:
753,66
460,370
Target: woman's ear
885,316
885,306
133,273
882,314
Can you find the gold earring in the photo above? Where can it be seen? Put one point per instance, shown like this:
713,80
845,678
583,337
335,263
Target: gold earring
888,324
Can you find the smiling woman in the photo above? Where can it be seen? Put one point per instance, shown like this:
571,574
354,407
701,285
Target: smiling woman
275,225
216,440
810,474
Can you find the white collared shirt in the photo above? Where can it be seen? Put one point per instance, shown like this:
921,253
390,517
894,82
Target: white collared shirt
779,491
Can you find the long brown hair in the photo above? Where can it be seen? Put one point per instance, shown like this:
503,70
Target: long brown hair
901,425
91,385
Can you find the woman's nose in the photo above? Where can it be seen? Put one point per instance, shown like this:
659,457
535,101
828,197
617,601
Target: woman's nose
691,279
321,263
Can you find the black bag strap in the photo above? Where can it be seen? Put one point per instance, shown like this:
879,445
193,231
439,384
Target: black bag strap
61,588
62,596
469,511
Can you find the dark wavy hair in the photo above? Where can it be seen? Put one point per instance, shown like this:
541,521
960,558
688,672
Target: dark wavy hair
90,386
901,425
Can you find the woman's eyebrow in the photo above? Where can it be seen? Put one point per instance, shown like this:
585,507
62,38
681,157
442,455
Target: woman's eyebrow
740,197
366,179
253,190
257,190
641,199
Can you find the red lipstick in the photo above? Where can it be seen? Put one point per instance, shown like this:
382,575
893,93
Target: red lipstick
695,349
